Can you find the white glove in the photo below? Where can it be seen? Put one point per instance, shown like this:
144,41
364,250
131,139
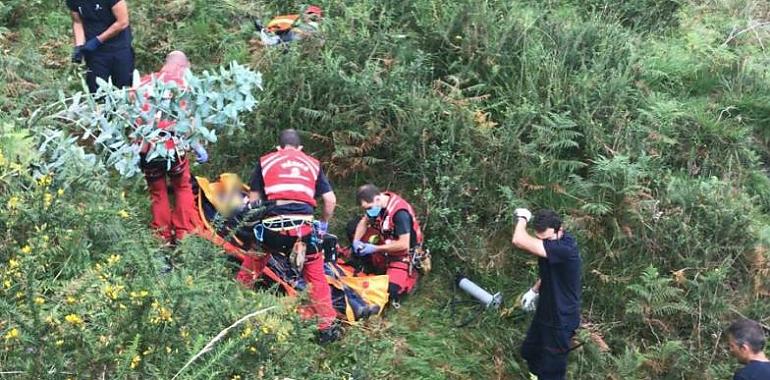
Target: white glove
529,300
523,213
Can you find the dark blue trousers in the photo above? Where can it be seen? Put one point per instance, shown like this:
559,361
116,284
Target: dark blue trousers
545,349
115,64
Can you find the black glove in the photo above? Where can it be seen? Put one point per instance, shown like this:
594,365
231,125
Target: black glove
77,54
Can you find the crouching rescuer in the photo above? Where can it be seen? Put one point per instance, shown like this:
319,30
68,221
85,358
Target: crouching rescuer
555,297
287,182
389,237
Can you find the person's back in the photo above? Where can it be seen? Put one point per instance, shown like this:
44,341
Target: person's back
754,370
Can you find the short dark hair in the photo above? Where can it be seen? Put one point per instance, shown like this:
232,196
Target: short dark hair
546,218
289,137
749,332
367,193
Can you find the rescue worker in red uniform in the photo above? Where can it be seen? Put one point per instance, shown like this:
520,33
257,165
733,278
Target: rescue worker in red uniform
387,234
290,181
171,225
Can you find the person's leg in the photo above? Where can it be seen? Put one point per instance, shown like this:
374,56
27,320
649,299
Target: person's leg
399,280
122,70
251,269
553,363
98,66
532,347
185,216
320,291
159,206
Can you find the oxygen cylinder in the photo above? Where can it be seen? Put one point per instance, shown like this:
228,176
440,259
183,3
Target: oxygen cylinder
477,292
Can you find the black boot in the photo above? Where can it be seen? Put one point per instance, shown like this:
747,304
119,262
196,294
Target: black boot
330,334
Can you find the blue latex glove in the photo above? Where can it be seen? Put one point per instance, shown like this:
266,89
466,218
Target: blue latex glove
77,54
323,227
357,245
367,249
200,153
92,45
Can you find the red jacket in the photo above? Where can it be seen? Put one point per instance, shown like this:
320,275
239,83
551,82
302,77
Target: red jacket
384,223
290,174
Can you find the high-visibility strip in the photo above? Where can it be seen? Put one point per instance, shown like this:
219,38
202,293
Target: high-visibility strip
312,165
297,188
269,161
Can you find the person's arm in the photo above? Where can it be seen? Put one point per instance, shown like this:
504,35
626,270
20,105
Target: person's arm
402,226
524,241
256,184
77,29
399,245
330,203
120,11
536,287
360,229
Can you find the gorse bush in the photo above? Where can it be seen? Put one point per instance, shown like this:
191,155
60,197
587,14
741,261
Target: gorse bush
643,122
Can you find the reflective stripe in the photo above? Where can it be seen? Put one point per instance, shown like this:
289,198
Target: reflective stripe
312,165
297,188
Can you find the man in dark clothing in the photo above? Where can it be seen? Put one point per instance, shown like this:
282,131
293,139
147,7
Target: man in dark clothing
387,235
746,341
558,289
103,38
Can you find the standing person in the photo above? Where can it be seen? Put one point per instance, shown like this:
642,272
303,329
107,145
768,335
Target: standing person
103,37
392,220
291,180
555,295
746,341
171,225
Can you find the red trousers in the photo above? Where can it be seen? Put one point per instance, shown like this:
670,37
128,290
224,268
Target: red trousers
399,280
313,272
183,219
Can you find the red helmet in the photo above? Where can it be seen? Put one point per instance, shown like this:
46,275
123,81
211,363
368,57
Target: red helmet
314,10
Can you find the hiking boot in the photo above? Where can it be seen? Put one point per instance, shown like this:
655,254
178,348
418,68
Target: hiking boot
330,334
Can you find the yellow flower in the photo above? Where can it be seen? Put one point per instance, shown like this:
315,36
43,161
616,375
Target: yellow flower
51,320
123,214
13,264
60,192
12,334
71,300
74,320
39,300
113,259
26,249
59,343
47,199
236,377
135,361
113,292
168,349
246,332
45,180
139,294
184,333
13,203
253,349
7,283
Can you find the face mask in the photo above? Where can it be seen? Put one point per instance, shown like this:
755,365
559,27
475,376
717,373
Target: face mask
373,211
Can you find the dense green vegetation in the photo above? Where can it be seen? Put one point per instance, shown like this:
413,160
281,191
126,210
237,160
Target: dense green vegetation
644,121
